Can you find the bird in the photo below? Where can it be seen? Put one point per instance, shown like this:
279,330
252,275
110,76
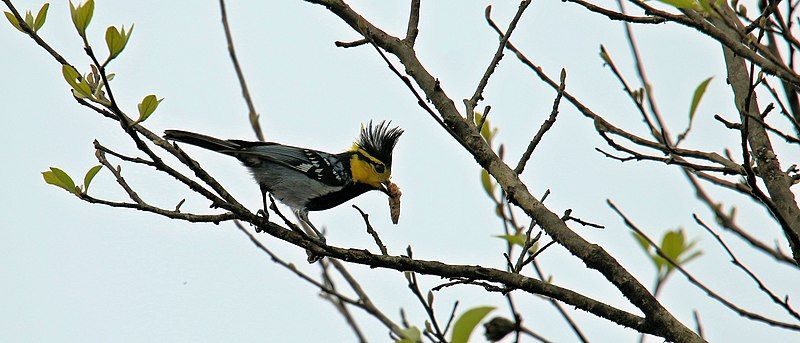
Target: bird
306,179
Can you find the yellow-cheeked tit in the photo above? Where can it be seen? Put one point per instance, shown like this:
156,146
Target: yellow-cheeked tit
305,179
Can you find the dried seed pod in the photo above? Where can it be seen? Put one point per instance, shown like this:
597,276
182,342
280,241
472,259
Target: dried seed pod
394,202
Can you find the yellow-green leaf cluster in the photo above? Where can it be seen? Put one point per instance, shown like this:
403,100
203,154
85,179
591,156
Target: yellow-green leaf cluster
674,246
61,179
30,22
82,15
116,40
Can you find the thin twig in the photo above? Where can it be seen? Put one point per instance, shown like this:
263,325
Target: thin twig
364,298
618,16
698,325
498,55
190,217
340,306
352,44
101,157
545,126
568,216
252,114
426,304
371,231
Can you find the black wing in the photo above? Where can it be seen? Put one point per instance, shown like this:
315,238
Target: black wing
318,165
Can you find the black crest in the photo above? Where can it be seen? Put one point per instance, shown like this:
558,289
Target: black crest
379,140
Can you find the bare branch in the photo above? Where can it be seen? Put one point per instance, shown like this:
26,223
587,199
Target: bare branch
728,223
195,218
783,303
413,23
498,55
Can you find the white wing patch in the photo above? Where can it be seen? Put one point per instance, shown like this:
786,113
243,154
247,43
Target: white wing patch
304,167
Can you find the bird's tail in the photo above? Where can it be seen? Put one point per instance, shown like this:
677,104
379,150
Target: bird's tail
203,141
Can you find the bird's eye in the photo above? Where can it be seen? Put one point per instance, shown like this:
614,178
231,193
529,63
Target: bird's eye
379,168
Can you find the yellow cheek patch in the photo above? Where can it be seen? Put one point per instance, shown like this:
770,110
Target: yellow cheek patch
363,171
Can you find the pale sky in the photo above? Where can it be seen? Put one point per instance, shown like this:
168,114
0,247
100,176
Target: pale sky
76,272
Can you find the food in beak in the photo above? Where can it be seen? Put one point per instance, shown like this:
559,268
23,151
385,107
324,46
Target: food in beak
394,201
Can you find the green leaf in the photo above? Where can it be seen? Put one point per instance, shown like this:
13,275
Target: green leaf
519,240
672,244
79,85
410,335
58,177
82,15
13,20
70,74
464,325
698,95
514,239
487,183
147,107
63,177
29,19
116,40
688,4
41,17
89,176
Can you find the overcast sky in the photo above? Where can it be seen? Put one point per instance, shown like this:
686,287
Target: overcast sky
72,271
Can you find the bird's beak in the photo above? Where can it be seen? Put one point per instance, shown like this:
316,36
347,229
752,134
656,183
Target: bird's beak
384,187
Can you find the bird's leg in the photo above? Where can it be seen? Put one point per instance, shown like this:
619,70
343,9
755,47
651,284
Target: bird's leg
303,215
264,212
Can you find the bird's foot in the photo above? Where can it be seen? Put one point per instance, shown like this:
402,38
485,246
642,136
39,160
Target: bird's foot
264,214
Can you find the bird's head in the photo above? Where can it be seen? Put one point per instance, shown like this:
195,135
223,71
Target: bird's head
371,155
